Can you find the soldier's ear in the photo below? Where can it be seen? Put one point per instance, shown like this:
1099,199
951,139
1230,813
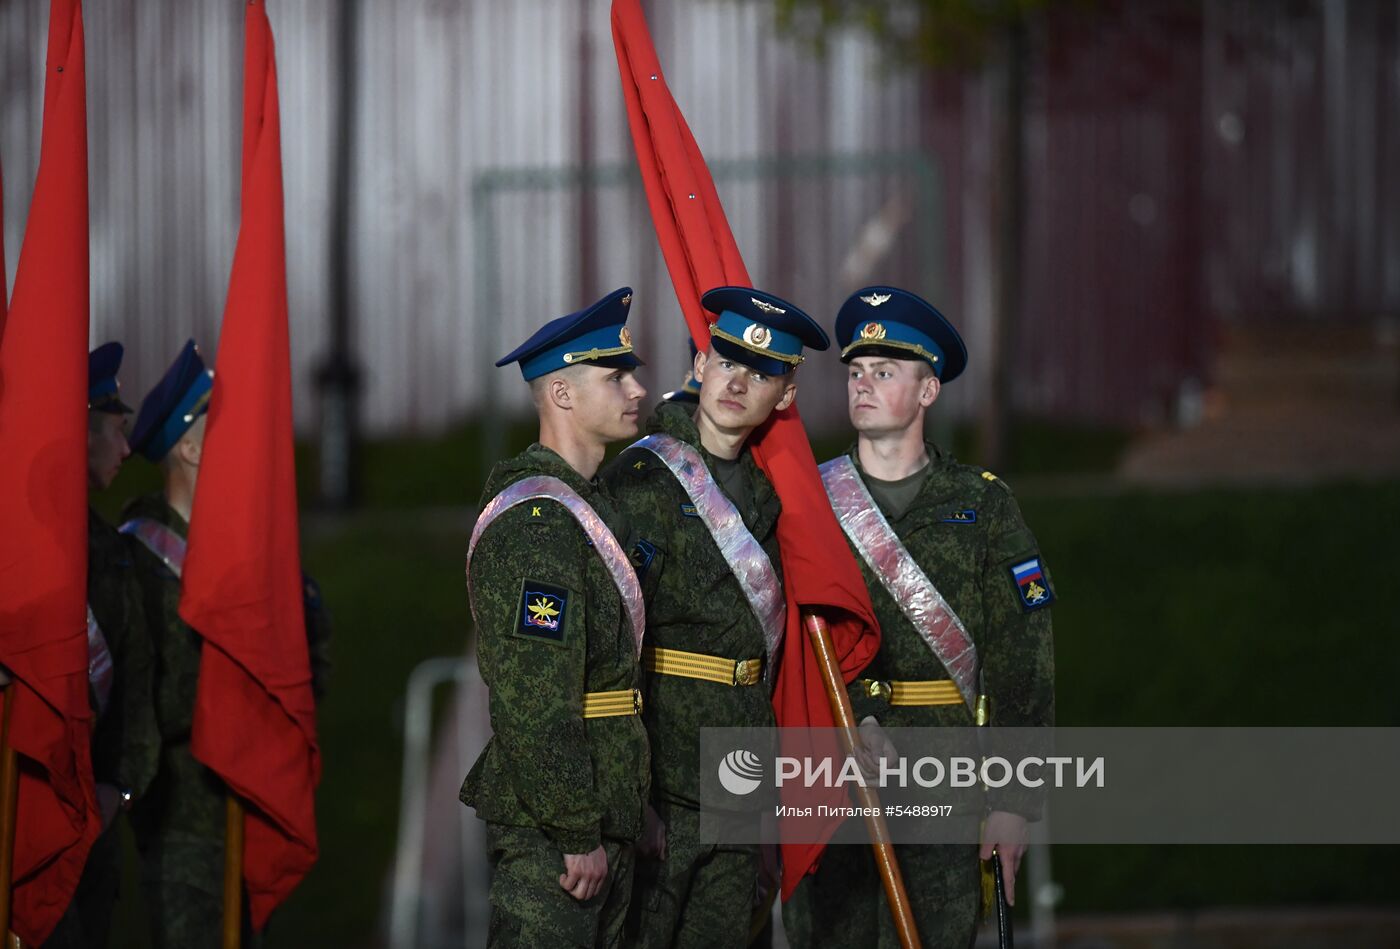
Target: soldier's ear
561,393
928,392
789,393
698,367
190,447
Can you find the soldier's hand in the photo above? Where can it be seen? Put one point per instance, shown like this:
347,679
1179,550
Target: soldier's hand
1007,834
584,873
875,746
653,842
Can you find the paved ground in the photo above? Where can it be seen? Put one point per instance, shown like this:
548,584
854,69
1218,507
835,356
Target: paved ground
1286,405
1322,928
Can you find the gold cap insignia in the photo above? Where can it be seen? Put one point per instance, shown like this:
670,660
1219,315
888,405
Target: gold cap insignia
627,300
875,299
624,337
766,307
872,331
756,334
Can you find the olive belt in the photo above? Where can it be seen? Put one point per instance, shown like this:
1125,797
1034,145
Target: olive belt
611,704
928,692
694,665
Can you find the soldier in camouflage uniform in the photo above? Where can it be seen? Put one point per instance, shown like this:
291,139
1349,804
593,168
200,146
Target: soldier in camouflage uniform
124,742
563,781
709,651
180,822
963,528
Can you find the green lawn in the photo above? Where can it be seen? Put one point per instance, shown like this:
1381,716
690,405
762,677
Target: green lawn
1234,607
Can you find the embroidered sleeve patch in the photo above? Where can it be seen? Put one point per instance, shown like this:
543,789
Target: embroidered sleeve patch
642,554
543,611
1031,584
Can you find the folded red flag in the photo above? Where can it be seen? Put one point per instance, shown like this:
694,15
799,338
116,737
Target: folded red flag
4,290
255,718
819,572
43,520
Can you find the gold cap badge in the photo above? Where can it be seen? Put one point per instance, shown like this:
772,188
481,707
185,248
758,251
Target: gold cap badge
627,300
624,337
756,334
872,331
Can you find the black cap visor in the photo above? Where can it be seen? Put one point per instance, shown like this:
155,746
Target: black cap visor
764,364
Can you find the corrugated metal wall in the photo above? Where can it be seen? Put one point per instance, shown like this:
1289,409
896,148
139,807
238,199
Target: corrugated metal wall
1186,162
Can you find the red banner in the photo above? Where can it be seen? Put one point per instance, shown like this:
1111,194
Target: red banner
255,718
43,520
819,573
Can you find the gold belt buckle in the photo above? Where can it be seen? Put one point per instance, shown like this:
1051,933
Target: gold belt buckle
878,689
748,671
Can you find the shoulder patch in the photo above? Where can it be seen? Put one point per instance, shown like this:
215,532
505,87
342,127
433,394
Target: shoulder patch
642,554
1031,585
543,611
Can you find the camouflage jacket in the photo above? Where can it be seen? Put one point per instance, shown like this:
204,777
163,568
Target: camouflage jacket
179,822
545,766
693,601
125,742
965,529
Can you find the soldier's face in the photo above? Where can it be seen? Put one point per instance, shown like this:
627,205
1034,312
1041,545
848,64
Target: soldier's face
106,448
734,396
607,402
888,395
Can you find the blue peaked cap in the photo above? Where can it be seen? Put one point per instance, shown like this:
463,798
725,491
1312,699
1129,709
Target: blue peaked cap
760,330
172,406
595,336
887,321
104,393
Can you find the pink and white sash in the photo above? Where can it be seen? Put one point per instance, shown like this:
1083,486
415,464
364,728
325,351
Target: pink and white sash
168,546
873,537
614,558
739,548
99,663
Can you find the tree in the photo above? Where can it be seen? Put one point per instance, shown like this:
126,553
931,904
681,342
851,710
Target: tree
964,35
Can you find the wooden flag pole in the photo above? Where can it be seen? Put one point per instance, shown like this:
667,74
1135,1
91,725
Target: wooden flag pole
233,873
867,799
9,798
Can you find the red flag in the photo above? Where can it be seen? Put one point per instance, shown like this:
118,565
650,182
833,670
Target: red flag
255,719
819,572
4,290
43,519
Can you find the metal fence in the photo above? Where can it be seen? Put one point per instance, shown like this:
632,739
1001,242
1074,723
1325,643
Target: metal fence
1190,164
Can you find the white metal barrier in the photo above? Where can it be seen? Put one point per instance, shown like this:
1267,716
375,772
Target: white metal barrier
440,881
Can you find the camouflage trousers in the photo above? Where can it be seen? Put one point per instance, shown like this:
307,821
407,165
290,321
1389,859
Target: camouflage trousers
700,895
528,906
182,882
88,920
843,904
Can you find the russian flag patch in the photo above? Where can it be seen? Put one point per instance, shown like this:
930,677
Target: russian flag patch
1031,584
